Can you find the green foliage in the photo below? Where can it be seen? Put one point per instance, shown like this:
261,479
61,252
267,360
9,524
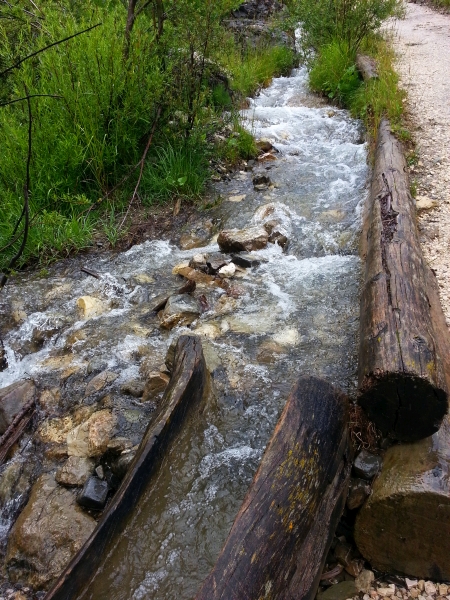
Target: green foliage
349,21
334,72
240,145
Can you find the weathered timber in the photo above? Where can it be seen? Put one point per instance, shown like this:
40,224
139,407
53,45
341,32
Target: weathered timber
187,386
279,541
15,430
404,370
367,66
405,524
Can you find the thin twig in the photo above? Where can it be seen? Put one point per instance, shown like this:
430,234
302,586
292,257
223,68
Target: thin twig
89,272
30,96
17,64
141,162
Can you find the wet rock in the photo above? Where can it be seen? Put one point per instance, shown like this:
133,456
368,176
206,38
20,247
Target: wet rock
91,438
227,271
100,381
264,144
367,465
277,234
340,591
358,491
40,336
198,260
216,262
195,275
95,365
170,355
246,261
47,534
13,399
15,481
269,352
3,359
133,387
208,330
75,471
183,265
181,309
49,400
120,465
90,307
94,494
237,198
118,445
261,182
237,240
193,239
156,383
364,581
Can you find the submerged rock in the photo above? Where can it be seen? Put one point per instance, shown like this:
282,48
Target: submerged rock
12,399
47,534
181,309
238,240
367,465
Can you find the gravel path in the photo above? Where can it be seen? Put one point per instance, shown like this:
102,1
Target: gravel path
422,44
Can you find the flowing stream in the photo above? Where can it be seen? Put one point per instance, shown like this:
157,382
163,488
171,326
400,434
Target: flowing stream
296,313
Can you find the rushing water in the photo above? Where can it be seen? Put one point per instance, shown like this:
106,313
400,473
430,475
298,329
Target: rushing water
297,313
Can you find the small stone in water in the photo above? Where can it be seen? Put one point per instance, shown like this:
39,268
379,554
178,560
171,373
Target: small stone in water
157,383
100,472
227,270
367,465
94,494
75,472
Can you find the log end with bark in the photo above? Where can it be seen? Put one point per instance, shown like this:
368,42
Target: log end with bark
279,541
405,524
404,368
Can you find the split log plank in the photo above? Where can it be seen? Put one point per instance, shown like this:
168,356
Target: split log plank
367,66
187,387
279,541
404,370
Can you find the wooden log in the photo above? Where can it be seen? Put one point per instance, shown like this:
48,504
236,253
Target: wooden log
404,370
405,524
187,387
367,66
279,541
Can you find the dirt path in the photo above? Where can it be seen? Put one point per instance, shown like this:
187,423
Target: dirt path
422,43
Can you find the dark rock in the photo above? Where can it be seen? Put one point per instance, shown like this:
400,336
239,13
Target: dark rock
94,494
170,356
216,262
181,309
12,399
246,261
358,491
264,145
120,465
96,365
250,165
237,240
261,182
367,465
3,359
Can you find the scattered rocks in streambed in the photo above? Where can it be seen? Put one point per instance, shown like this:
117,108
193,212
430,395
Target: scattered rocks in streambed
181,309
238,240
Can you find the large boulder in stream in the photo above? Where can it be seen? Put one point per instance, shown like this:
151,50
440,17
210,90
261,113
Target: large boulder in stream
405,524
48,532
238,240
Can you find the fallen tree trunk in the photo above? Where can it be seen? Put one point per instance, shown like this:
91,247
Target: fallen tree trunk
404,371
405,524
187,386
280,538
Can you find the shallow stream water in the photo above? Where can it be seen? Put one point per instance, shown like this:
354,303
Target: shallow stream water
296,313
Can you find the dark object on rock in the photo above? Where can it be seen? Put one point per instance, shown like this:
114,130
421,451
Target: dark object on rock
367,66
404,368
358,492
283,531
3,359
187,387
404,526
367,465
238,240
277,234
13,399
94,494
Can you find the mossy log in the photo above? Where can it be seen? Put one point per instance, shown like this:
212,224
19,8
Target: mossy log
405,524
280,538
187,386
404,371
